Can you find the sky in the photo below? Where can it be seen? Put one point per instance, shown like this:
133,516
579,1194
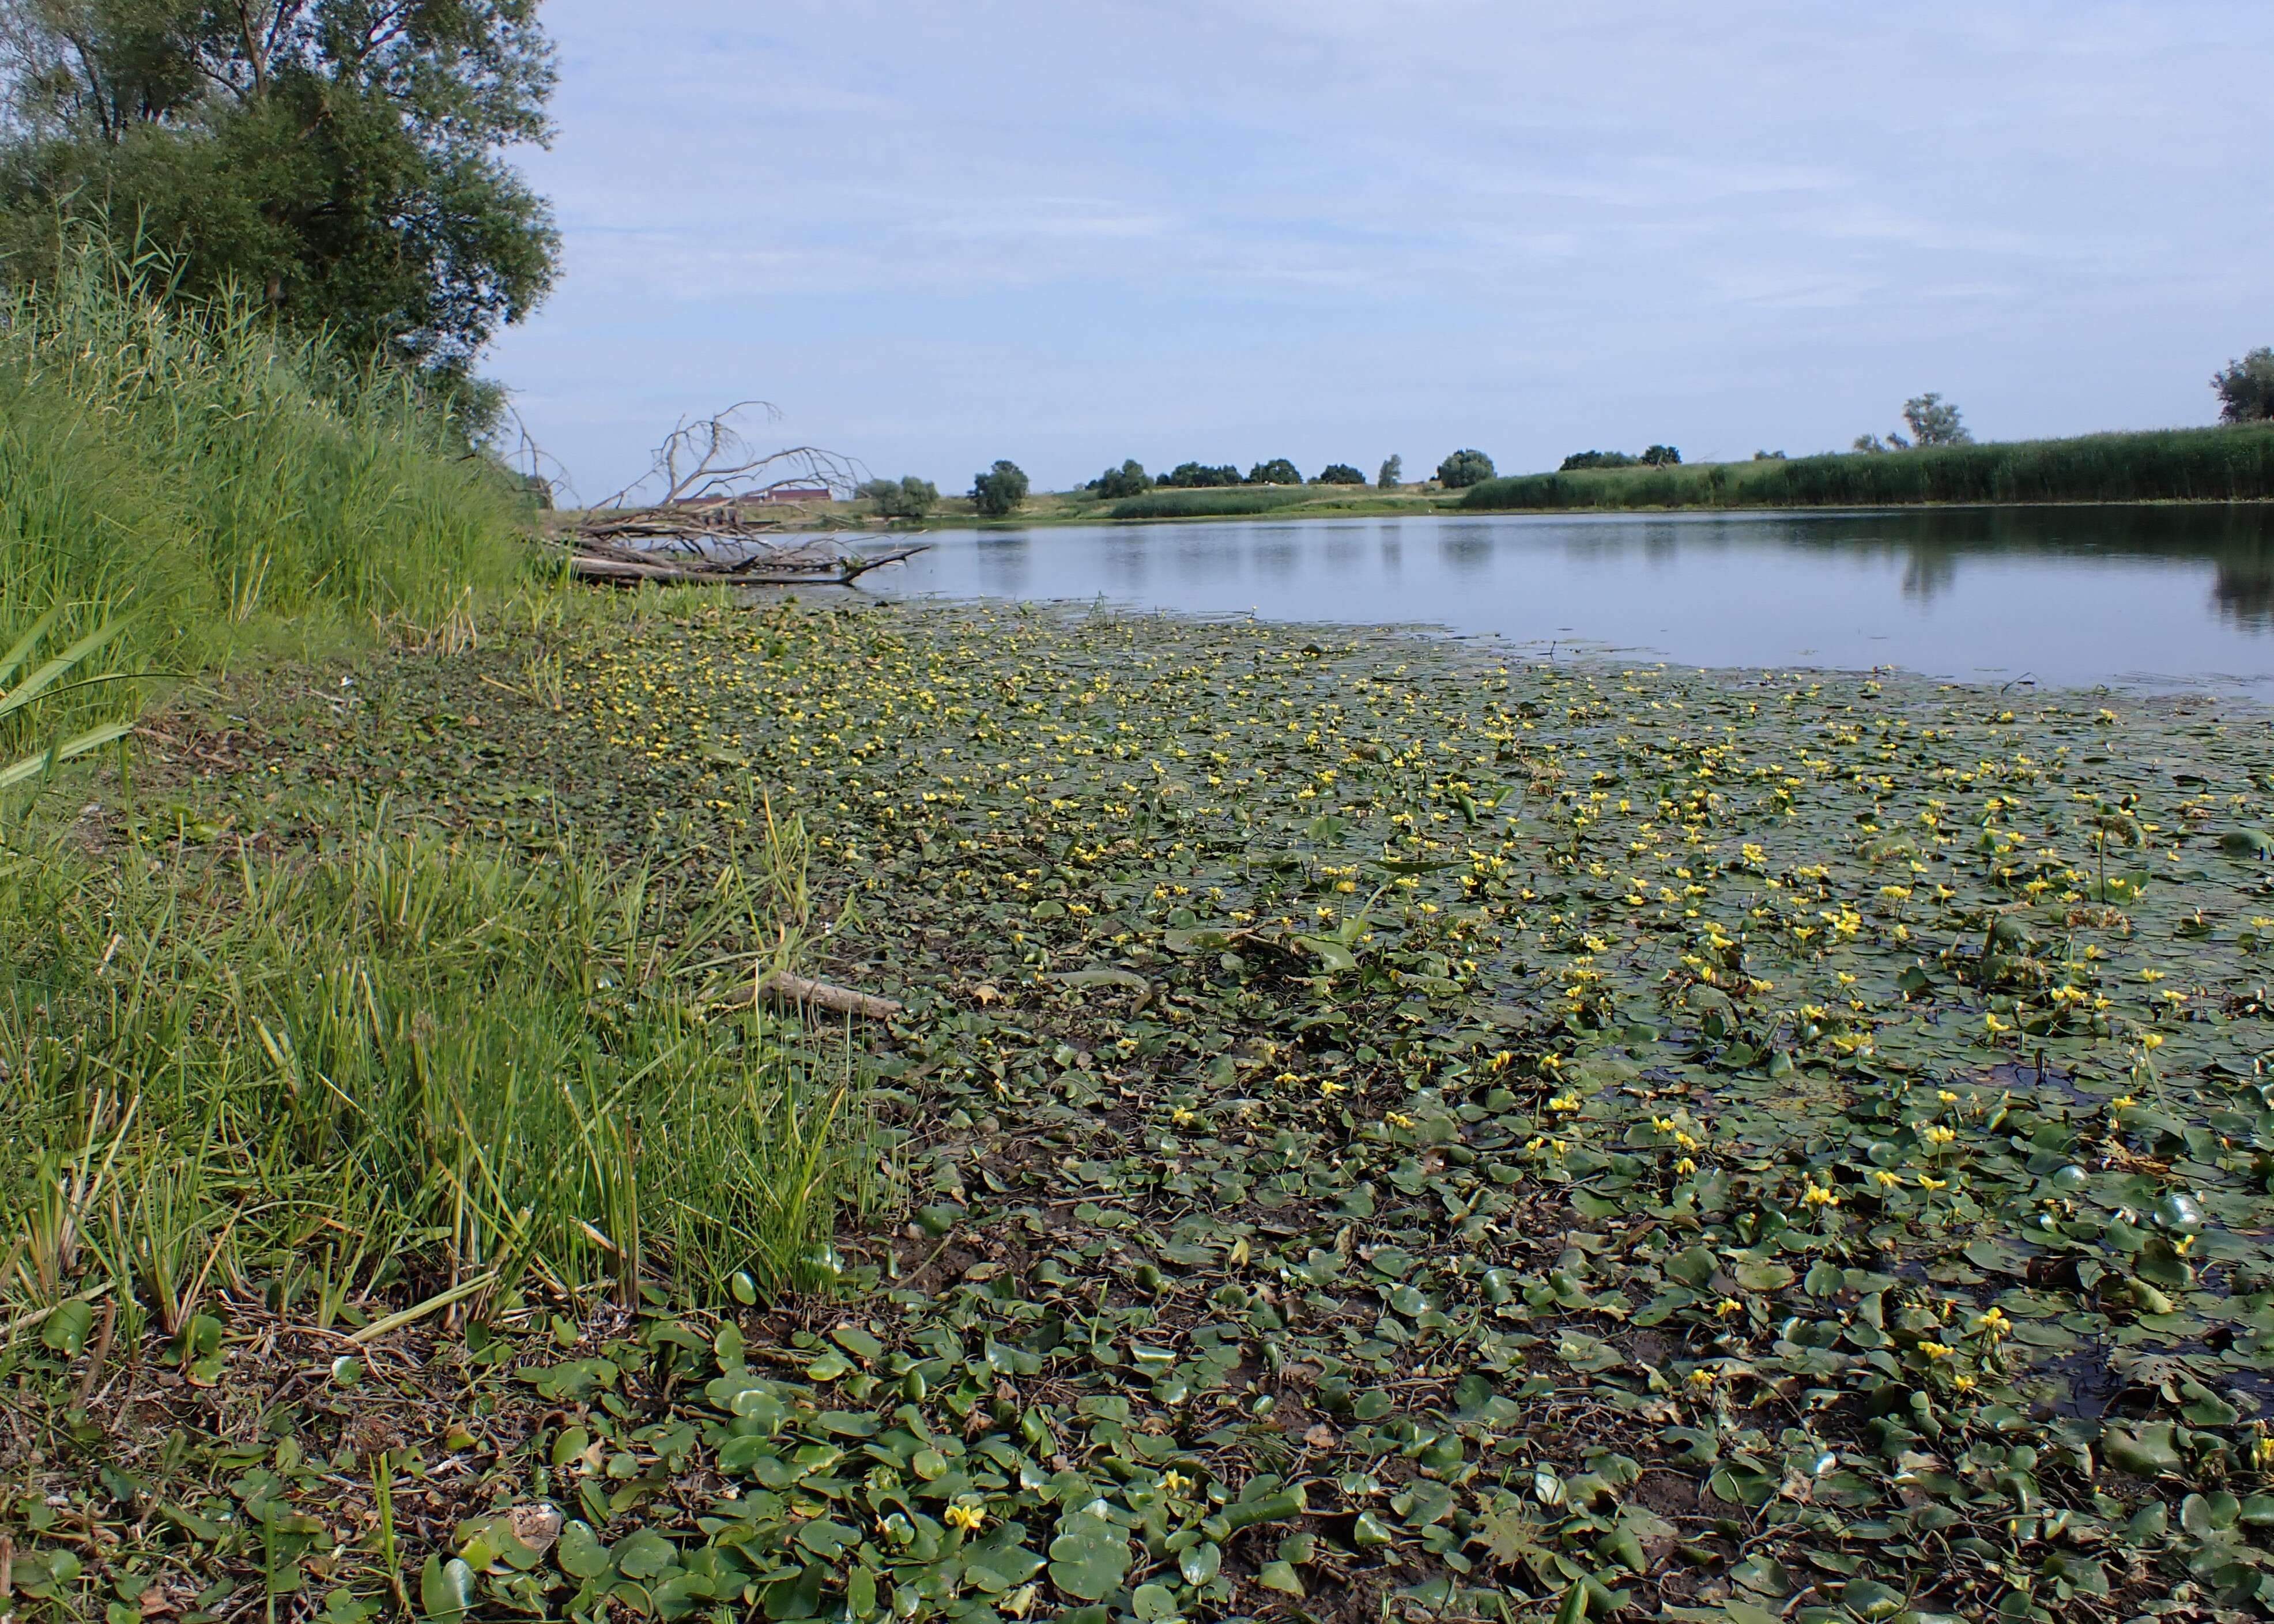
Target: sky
1071,232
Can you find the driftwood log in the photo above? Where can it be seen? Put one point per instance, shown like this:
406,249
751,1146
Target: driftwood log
780,986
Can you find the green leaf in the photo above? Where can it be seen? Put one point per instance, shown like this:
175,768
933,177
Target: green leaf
1089,1557
446,1590
1279,1577
65,1331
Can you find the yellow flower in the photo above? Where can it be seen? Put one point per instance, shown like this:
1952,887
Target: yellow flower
1935,1133
1565,1102
1935,1350
1701,1378
1175,1482
2152,1041
1962,1382
967,1518
1886,1180
1991,1020
1819,1195
1686,1166
1728,1306
1931,1183
1992,1321
2122,1102
1398,1119
1945,1097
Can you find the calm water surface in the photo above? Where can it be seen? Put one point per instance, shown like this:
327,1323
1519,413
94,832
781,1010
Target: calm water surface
2167,597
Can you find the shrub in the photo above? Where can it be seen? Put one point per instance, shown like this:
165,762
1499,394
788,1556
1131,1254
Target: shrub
1278,471
1463,469
907,498
1339,473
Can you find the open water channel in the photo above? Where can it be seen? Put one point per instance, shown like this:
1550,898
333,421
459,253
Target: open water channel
2158,598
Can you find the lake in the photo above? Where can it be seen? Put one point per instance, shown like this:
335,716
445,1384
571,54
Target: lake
2158,598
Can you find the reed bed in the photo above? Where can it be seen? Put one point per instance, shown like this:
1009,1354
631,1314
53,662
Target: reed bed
180,480
2181,464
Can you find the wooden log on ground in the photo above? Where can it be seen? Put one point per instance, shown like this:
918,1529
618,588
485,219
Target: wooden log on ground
778,986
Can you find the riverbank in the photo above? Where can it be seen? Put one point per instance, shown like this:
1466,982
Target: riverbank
1384,1126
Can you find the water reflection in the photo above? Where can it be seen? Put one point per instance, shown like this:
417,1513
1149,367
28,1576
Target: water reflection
2175,595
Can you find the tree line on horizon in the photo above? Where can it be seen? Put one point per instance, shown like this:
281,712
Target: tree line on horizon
2245,387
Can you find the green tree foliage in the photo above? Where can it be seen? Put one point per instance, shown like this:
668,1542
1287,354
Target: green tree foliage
1393,472
1769,456
1661,457
342,160
1129,480
907,498
1596,459
1463,469
2246,388
1000,490
1873,445
1200,476
1339,473
1935,421
1278,471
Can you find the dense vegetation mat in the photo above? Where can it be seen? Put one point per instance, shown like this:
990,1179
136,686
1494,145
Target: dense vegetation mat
1394,1131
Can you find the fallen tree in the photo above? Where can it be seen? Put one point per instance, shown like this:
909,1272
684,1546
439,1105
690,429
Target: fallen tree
710,509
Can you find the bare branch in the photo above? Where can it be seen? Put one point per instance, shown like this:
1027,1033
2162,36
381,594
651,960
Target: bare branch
710,458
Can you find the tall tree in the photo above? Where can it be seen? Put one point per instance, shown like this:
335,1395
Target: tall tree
1278,471
2246,388
1935,421
1000,492
1393,470
343,158
1338,474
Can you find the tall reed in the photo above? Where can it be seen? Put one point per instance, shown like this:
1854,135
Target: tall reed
193,473
2180,464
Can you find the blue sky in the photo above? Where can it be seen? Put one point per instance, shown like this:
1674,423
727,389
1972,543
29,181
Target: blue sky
1069,232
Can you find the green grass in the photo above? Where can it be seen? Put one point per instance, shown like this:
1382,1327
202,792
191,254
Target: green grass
2181,464
187,473
427,1061
403,1066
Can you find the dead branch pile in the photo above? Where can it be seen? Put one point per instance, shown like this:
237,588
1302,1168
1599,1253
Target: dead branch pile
712,508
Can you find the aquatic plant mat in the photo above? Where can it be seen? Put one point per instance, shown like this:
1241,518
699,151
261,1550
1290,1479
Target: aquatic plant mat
1396,1132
